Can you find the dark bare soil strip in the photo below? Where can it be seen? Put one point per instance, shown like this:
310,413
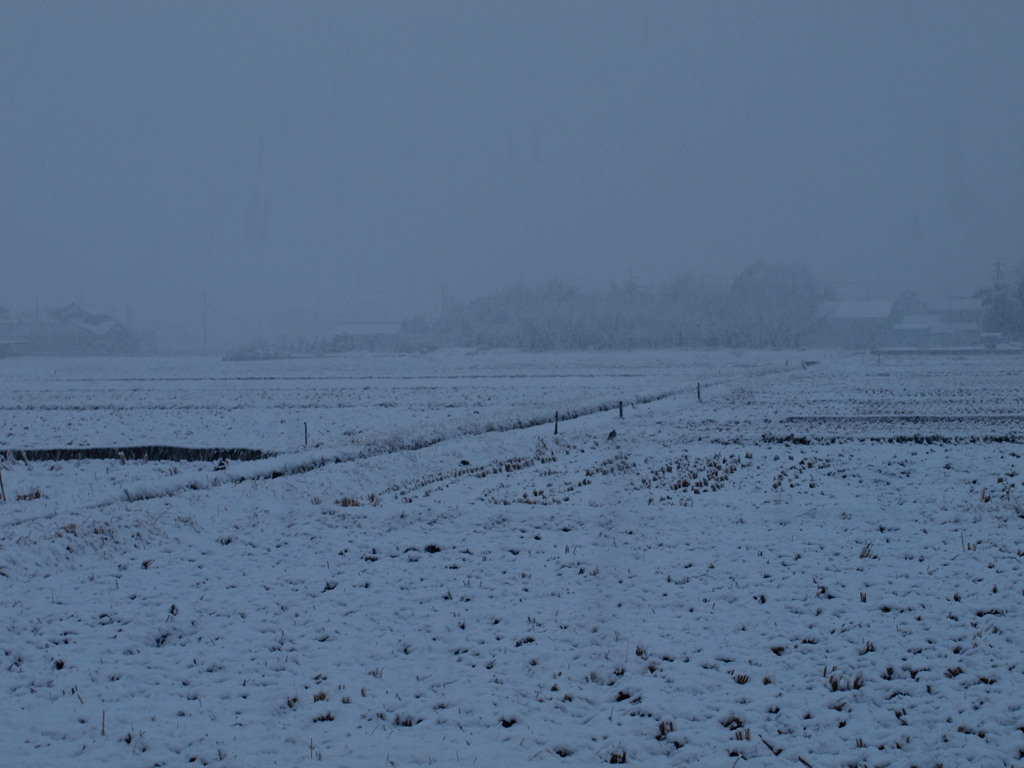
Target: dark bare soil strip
137,453
904,418
793,439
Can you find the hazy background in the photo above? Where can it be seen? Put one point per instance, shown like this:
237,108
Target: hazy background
263,160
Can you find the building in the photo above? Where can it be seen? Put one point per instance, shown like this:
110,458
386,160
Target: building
947,322
68,331
861,324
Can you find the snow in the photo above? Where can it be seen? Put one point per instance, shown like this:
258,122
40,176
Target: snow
811,563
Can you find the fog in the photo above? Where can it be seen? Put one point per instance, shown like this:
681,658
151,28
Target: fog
236,167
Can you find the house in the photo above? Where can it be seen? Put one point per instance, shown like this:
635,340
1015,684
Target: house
73,331
856,324
908,321
968,310
946,322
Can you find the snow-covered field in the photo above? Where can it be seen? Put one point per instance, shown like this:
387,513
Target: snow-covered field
348,401
814,564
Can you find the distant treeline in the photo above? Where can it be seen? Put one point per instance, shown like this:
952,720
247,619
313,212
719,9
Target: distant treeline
765,306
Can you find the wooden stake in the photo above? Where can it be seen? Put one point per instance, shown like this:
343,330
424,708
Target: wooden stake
620,410
556,422
3,493
305,428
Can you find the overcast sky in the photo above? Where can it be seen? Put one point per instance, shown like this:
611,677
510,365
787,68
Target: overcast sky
359,157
